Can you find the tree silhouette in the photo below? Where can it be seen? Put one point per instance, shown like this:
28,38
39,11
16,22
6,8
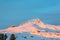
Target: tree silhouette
12,37
5,36
2,37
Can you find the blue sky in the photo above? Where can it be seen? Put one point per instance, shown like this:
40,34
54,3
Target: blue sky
14,12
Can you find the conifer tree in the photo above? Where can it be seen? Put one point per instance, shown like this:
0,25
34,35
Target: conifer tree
5,36
1,36
12,37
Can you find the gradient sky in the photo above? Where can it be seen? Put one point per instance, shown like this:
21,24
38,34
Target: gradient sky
14,12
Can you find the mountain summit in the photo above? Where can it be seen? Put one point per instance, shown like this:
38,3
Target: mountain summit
28,27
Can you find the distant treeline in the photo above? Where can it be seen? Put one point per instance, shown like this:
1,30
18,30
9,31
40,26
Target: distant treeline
12,37
4,37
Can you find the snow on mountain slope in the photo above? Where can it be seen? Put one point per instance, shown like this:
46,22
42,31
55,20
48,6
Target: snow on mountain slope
28,27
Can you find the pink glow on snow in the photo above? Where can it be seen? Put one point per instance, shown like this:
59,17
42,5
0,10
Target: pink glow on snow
27,27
